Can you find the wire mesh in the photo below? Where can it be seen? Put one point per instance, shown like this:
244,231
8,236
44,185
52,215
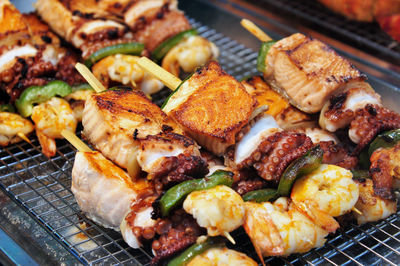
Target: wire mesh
366,36
41,186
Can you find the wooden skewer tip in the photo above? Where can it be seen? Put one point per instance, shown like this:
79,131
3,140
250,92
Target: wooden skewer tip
24,137
230,238
256,31
354,209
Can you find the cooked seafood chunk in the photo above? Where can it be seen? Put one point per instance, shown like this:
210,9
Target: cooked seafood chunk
103,191
307,71
50,119
115,120
372,207
219,209
212,107
279,229
189,54
11,126
330,188
287,116
220,257
123,69
77,101
340,110
67,19
317,134
385,171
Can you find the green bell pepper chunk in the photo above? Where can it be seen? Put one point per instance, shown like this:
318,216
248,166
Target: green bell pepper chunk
38,94
177,194
132,48
262,195
196,249
167,45
387,139
298,168
360,174
262,54
7,108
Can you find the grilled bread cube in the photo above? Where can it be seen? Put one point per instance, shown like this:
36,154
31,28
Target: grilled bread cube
115,120
212,107
307,72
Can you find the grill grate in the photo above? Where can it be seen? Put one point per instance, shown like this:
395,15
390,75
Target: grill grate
366,36
41,187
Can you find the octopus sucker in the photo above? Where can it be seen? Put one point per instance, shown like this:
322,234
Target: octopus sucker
370,121
276,152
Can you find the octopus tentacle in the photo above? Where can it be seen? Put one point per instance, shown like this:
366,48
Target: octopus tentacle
177,232
276,152
337,155
368,122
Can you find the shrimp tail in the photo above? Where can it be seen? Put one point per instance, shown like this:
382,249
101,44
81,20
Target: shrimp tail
48,144
319,217
262,231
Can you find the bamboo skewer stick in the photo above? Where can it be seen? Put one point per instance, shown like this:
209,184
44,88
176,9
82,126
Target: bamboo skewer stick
230,238
75,141
24,137
167,78
256,31
90,78
354,209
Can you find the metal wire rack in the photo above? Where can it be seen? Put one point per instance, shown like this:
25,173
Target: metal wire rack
41,186
366,36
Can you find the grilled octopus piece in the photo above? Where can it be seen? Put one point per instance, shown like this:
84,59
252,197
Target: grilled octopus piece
177,232
368,122
337,155
275,153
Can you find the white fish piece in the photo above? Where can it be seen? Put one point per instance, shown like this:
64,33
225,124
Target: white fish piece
103,191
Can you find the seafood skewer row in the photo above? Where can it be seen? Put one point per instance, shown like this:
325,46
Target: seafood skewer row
261,125
30,57
156,148
316,72
110,46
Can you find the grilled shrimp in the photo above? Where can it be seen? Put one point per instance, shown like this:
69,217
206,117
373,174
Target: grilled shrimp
123,69
222,256
11,125
189,54
219,209
372,208
50,119
280,229
327,192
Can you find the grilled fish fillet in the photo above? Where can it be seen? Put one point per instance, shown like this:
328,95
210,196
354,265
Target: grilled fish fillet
307,71
13,28
103,191
115,120
212,107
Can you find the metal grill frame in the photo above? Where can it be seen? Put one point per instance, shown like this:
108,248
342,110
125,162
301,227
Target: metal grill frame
366,36
41,187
